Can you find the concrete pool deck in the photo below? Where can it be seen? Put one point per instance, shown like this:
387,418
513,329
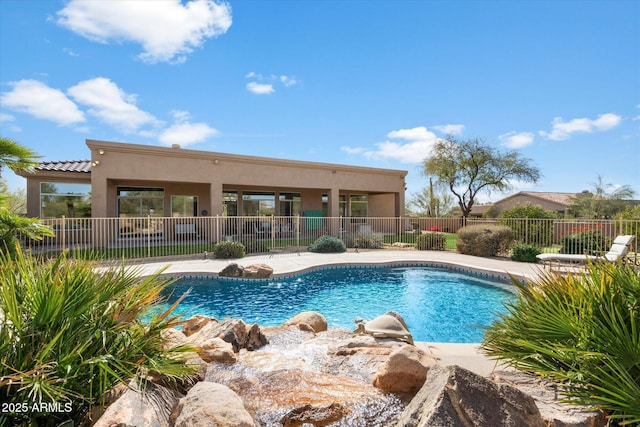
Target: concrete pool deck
466,355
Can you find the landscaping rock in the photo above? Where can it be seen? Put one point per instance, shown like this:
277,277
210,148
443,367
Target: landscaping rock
257,271
135,408
546,395
216,350
316,416
404,371
172,338
195,323
308,320
233,331
255,338
232,270
453,396
389,325
211,404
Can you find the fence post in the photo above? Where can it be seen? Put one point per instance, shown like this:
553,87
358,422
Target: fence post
148,236
63,232
526,230
297,230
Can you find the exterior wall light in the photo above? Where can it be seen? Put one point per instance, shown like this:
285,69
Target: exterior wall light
101,152
95,163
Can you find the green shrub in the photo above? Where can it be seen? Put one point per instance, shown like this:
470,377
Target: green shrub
530,223
431,241
226,250
525,253
581,331
364,240
69,333
327,244
484,240
588,242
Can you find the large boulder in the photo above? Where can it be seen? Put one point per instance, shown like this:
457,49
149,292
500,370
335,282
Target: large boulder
233,331
308,321
257,271
389,325
404,371
195,324
232,270
453,396
211,405
216,350
316,416
546,395
141,406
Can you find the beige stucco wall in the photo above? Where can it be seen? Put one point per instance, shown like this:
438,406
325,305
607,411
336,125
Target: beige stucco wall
33,187
207,174
523,199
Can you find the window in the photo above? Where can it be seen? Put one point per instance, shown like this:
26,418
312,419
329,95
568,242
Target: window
58,199
258,204
325,205
290,204
184,206
358,205
139,202
230,203
343,205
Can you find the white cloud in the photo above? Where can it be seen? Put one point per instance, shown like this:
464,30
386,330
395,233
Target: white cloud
186,133
41,101
288,81
5,118
413,152
450,129
562,130
352,150
260,88
419,146
417,133
111,104
167,30
515,139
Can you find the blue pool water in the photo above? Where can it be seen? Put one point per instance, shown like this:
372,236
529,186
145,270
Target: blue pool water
438,305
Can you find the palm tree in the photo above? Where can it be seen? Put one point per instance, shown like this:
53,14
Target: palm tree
17,158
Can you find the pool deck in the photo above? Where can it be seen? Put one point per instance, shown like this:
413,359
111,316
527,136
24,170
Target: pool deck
466,355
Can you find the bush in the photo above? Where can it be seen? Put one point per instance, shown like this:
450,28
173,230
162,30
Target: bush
70,332
525,253
225,250
587,242
532,223
579,330
484,240
327,244
431,242
365,240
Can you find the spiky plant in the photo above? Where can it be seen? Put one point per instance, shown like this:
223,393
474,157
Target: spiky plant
69,332
579,330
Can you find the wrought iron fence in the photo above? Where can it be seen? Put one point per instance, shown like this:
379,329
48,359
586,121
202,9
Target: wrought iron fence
149,237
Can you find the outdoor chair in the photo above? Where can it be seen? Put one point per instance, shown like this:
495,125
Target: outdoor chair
618,251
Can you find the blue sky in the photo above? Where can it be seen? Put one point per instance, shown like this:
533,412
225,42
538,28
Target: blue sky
371,83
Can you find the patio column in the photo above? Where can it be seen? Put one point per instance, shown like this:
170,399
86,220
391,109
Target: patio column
215,195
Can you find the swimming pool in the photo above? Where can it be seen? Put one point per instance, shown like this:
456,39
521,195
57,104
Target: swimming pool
439,305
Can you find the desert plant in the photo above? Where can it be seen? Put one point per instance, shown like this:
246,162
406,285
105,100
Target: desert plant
226,250
364,240
581,331
327,244
69,333
525,253
484,240
431,241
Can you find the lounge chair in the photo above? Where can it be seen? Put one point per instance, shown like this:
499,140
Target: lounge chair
618,250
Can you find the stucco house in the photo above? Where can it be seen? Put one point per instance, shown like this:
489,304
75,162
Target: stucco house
128,180
557,202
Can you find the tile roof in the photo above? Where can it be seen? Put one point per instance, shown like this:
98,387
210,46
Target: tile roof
83,166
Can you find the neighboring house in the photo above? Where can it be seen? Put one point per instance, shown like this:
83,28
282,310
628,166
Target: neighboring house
557,202
127,180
